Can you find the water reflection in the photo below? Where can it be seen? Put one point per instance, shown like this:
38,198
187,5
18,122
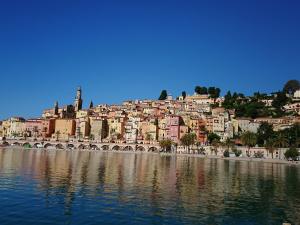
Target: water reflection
79,187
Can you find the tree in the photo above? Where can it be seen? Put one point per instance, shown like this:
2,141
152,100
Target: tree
280,140
228,144
215,144
249,139
279,101
237,152
270,146
258,96
258,154
291,86
163,95
148,137
188,140
214,92
264,132
183,94
25,136
228,104
213,136
57,135
35,132
198,144
226,153
201,151
292,135
292,153
92,137
201,90
166,144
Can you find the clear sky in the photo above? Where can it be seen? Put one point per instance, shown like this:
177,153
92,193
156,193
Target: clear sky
118,50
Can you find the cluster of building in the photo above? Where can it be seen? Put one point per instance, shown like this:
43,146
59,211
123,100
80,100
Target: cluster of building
140,121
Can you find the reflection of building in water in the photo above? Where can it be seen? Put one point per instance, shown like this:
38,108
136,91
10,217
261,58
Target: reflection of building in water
190,183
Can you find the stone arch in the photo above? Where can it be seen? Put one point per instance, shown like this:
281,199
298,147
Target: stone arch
5,143
59,146
27,145
15,143
105,147
141,148
37,145
48,145
116,148
82,146
94,147
128,148
153,149
70,146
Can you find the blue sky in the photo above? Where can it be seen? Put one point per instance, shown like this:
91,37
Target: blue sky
118,50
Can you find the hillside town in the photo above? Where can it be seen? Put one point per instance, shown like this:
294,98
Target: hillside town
203,115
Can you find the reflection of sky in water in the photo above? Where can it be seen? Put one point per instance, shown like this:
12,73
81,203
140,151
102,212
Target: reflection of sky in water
92,187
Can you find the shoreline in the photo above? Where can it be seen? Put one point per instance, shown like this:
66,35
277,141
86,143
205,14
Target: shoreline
275,161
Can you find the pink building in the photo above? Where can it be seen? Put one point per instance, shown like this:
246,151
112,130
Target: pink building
173,127
48,128
34,127
39,127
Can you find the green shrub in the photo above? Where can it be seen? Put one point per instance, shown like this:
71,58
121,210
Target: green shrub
291,153
237,152
258,154
226,153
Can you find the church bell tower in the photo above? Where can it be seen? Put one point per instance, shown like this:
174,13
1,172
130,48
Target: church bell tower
78,100
56,108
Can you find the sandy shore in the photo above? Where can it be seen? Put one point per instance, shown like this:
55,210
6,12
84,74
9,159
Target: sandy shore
277,161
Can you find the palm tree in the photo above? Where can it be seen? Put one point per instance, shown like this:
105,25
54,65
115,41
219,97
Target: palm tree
176,146
249,139
281,141
148,137
25,136
202,151
198,144
216,144
92,137
188,140
35,132
57,135
270,146
228,143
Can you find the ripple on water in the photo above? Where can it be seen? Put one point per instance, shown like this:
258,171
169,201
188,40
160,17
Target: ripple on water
91,188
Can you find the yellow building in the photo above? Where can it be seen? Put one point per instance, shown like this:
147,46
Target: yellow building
82,127
82,113
200,99
148,130
5,127
116,127
98,128
64,128
14,127
1,129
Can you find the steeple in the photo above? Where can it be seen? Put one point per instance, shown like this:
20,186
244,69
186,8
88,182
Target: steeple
56,108
91,104
78,100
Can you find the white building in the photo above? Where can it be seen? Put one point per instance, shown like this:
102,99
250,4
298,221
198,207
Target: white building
248,125
131,129
297,94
